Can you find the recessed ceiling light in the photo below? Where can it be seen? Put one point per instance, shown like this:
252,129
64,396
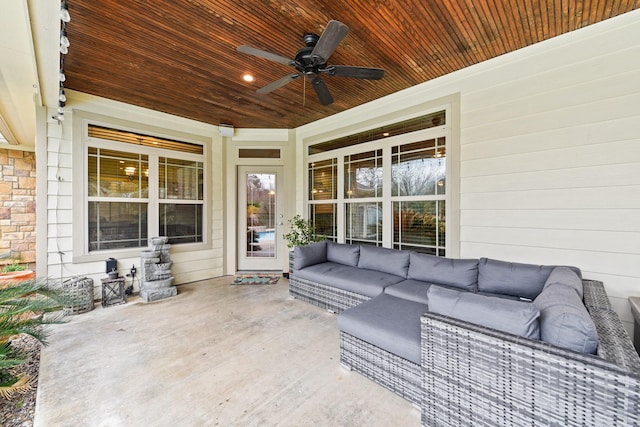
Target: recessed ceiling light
385,134
248,77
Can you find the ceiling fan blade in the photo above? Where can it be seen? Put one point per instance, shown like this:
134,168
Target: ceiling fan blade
278,83
355,72
264,54
329,41
322,91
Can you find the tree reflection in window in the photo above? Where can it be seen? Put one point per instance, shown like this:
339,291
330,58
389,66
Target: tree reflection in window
419,169
363,175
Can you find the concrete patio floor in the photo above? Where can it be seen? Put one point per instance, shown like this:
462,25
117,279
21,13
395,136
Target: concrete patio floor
216,354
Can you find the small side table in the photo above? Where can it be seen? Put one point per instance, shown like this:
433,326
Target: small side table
635,310
113,292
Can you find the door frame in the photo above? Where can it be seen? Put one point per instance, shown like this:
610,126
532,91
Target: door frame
244,263
281,139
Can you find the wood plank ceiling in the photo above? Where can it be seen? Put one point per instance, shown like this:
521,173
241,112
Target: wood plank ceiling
180,56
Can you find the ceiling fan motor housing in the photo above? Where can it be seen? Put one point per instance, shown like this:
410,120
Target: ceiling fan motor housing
306,63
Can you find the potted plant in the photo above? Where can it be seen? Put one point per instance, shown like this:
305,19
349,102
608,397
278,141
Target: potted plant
301,233
15,272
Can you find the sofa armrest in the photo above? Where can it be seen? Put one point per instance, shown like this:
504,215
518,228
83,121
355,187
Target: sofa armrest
615,344
478,376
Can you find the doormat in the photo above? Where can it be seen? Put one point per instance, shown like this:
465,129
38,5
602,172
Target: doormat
256,279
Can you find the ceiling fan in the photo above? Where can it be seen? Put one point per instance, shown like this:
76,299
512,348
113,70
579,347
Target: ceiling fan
311,62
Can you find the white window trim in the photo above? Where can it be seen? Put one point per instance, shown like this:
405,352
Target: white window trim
81,122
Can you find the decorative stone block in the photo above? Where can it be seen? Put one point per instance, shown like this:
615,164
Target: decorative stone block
150,295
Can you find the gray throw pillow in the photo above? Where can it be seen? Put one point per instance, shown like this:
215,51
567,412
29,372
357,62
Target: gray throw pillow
387,260
566,276
513,317
459,273
564,320
343,253
314,253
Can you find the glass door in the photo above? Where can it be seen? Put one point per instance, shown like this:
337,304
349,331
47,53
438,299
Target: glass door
259,218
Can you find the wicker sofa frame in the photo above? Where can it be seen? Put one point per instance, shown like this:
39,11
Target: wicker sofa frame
482,377
328,297
472,375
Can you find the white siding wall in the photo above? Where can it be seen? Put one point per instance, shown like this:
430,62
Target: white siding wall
549,153
550,157
62,203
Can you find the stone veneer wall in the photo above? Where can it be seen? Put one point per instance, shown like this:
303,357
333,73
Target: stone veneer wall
18,206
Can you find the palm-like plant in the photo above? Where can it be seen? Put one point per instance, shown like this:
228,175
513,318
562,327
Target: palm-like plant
22,311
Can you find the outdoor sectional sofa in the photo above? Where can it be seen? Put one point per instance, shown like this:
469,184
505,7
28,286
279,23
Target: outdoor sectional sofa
476,342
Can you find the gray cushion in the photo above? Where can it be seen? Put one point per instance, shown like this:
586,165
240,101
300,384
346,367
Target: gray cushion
390,323
413,290
459,273
564,320
314,253
512,278
567,277
359,280
384,259
514,317
343,253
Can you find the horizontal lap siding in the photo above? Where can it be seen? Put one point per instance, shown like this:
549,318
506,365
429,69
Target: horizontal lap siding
550,159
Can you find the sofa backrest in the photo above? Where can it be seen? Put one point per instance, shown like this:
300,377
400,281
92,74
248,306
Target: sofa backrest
458,273
512,278
386,260
314,253
343,253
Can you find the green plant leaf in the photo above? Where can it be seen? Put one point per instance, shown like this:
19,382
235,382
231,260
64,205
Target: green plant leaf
301,232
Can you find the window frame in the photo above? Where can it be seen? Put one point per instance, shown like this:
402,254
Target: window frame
81,251
450,131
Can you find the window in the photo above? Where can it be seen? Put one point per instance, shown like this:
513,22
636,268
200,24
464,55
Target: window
139,187
180,186
118,199
324,217
418,177
323,178
363,175
364,223
363,180
392,185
